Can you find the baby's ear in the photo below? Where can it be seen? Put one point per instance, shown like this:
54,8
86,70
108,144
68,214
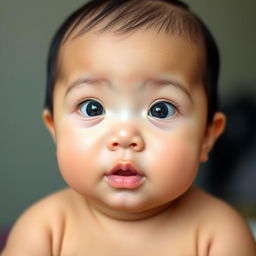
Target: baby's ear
49,123
212,132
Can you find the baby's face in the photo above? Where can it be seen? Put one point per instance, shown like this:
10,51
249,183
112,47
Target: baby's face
130,116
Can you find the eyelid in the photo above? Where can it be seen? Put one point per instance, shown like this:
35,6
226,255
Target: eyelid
174,103
80,102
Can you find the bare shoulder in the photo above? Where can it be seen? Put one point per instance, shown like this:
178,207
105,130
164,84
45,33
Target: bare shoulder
226,230
33,231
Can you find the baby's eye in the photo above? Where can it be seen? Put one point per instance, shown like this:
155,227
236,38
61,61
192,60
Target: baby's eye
91,108
162,109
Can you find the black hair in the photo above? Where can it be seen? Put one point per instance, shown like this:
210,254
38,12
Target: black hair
128,15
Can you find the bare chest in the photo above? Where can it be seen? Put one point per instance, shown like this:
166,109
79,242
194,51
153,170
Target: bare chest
91,242
110,248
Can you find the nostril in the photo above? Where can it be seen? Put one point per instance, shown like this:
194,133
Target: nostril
137,144
115,144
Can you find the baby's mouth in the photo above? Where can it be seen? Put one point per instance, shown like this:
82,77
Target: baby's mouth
125,175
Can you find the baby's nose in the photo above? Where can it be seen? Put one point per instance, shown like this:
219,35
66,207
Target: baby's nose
126,137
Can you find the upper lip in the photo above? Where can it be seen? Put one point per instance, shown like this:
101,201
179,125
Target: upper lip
125,166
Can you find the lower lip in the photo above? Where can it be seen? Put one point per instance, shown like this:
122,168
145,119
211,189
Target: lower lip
128,182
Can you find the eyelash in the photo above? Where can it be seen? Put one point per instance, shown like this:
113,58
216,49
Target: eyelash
81,102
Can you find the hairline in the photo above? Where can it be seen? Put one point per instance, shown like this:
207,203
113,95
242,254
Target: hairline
118,26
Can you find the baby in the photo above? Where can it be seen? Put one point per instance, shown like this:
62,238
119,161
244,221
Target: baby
131,104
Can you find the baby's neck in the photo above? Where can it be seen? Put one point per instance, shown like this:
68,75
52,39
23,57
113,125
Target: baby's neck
129,216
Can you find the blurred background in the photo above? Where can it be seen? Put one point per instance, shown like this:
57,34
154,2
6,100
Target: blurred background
28,169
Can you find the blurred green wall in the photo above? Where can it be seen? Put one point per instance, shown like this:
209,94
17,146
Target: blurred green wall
28,167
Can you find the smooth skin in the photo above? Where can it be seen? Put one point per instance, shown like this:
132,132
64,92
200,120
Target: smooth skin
127,80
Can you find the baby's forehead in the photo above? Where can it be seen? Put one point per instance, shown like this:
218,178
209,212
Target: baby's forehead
137,59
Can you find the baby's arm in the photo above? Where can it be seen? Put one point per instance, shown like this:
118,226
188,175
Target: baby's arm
232,237
29,236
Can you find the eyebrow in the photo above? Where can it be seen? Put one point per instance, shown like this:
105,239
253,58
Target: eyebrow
84,80
171,82
155,81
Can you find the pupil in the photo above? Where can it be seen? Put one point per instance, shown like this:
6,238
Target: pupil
94,109
160,110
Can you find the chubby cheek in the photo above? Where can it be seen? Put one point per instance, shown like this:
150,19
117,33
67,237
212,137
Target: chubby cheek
76,158
176,165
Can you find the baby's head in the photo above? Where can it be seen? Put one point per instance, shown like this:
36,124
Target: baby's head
132,102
